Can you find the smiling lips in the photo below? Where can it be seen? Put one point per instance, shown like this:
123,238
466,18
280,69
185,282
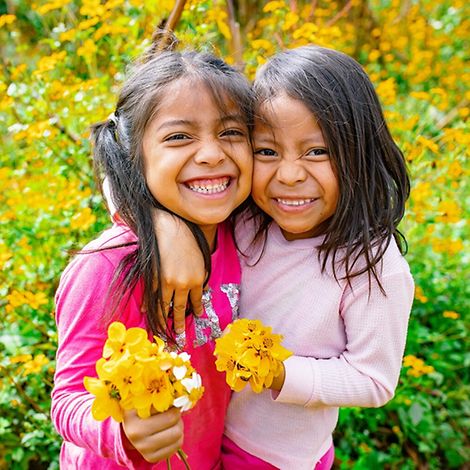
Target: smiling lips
294,202
209,185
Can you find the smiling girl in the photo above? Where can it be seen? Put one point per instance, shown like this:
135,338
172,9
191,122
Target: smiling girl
321,258
178,141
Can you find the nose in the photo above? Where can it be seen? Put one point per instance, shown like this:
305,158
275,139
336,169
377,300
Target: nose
211,154
291,173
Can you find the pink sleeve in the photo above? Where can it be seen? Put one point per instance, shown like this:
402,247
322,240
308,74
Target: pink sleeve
366,373
79,311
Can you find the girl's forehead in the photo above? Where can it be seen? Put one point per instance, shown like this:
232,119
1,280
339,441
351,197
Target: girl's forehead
281,110
195,91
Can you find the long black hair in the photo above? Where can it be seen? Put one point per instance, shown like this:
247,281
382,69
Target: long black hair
370,168
118,155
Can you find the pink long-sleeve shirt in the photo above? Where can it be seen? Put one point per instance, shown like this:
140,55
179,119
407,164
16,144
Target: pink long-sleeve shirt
80,300
347,342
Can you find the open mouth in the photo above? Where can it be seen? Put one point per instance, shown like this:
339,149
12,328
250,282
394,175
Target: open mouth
209,186
295,202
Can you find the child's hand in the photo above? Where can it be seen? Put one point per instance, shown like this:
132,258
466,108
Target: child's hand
157,437
182,266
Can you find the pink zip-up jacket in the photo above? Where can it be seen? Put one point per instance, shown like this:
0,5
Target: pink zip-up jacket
81,302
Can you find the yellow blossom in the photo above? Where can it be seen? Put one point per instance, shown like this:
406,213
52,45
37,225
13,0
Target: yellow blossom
250,353
6,19
416,366
273,6
87,49
82,220
121,341
419,294
135,373
450,314
449,212
106,402
35,364
54,5
387,91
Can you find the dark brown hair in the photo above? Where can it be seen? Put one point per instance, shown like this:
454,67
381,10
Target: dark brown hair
370,168
117,154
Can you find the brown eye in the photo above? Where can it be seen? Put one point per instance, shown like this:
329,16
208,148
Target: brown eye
232,133
177,137
320,153
265,153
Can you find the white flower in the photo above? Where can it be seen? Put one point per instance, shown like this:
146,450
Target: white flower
179,372
183,402
192,383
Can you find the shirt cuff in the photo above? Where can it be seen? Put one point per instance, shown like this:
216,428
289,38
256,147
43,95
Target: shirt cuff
299,381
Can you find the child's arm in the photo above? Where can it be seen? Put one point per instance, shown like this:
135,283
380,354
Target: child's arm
182,269
82,333
366,372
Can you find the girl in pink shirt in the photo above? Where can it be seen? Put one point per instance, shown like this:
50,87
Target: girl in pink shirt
178,141
321,258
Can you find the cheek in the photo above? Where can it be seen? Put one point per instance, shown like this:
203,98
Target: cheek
259,184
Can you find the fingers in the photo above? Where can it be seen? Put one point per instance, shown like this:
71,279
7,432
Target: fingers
167,297
180,302
156,437
195,296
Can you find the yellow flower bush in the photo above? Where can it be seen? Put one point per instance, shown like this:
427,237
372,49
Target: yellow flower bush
250,353
135,373
416,55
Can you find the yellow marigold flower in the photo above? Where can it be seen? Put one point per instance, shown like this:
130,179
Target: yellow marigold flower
449,212
121,341
49,63
86,24
273,6
107,398
6,19
157,393
263,44
250,352
83,219
290,20
419,294
20,358
374,54
35,365
88,49
450,314
54,5
135,373
387,90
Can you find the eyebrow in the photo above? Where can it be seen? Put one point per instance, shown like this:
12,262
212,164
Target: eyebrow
185,122
175,122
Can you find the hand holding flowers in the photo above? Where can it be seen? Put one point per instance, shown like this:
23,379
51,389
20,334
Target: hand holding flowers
136,380
250,353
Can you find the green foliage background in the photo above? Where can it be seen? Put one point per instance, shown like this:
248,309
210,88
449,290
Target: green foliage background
61,64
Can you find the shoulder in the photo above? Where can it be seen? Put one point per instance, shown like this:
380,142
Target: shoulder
98,260
392,269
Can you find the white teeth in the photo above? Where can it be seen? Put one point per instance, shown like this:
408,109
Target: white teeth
295,202
209,188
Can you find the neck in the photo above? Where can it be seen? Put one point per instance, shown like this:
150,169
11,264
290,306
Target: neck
210,232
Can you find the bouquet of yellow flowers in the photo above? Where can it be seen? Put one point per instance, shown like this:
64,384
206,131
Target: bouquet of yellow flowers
250,353
135,373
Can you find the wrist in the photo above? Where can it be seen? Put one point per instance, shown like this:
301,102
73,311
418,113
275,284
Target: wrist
278,381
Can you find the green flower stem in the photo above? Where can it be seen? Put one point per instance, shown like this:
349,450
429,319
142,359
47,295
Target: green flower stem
182,455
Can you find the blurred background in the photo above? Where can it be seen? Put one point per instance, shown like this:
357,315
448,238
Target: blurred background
61,64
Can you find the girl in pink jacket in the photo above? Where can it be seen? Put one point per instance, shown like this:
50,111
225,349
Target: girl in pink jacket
178,141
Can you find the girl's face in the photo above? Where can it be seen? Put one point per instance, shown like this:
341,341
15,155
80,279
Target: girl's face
293,179
197,159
